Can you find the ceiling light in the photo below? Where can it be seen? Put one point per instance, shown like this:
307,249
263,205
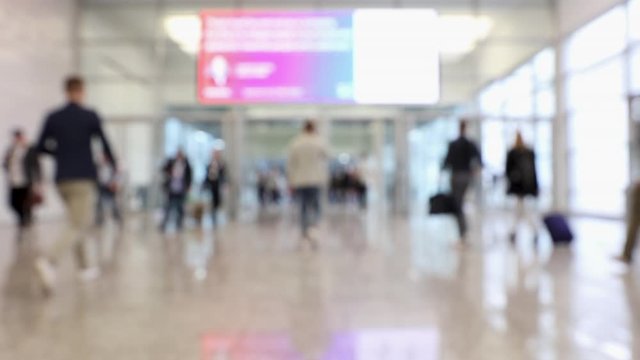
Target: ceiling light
460,34
184,30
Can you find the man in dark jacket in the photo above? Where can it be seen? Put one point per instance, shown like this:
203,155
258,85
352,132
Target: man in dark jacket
215,178
463,159
523,181
67,135
23,177
178,176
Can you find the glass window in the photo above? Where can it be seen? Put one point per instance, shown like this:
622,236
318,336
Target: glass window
518,92
635,70
492,99
588,90
634,19
599,163
544,66
598,40
494,146
546,102
544,161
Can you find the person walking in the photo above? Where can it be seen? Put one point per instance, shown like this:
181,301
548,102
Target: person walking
308,173
23,177
178,176
523,182
108,183
633,225
216,176
463,159
67,135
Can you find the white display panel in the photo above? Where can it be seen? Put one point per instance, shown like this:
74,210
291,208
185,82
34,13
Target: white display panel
395,57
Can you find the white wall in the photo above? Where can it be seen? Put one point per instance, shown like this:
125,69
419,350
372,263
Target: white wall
575,13
35,55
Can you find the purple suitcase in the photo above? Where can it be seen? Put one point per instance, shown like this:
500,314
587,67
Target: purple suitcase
558,228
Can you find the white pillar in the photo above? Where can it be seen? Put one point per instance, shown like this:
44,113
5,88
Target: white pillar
233,133
377,177
404,123
560,134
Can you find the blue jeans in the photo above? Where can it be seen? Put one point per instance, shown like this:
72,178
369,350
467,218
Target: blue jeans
175,203
309,198
107,198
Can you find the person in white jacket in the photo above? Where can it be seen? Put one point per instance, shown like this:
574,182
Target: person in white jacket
308,172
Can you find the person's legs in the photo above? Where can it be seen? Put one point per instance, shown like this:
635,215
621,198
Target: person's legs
304,199
314,205
459,185
167,212
18,204
100,204
179,202
27,206
517,217
78,198
633,225
115,208
216,201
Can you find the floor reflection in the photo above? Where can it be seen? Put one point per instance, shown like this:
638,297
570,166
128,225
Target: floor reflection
388,344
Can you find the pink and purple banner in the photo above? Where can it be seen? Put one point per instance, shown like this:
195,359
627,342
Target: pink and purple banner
342,57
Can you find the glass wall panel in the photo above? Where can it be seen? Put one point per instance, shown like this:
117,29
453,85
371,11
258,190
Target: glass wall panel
494,143
544,161
587,90
544,66
600,39
634,20
599,158
518,89
545,102
635,70
492,99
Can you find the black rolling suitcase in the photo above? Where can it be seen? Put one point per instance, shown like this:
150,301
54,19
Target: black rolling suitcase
441,204
558,228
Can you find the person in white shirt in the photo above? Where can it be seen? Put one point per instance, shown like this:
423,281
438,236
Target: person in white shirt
23,176
308,173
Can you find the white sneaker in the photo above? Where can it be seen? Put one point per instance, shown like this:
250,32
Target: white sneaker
89,274
46,273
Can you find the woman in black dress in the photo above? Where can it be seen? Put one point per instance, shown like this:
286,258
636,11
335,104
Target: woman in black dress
523,182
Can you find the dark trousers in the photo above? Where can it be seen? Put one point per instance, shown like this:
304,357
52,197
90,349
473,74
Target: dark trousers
175,202
106,198
309,198
460,182
633,223
216,201
20,205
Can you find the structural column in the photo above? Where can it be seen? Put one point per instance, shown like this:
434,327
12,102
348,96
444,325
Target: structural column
560,134
377,176
233,124
404,123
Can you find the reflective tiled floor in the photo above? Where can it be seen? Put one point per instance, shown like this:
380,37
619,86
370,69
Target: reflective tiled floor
377,288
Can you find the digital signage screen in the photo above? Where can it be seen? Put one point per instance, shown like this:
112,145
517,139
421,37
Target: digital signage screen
367,56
